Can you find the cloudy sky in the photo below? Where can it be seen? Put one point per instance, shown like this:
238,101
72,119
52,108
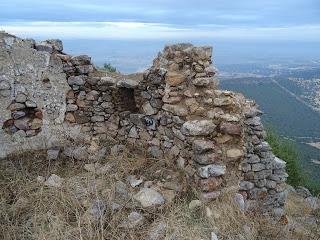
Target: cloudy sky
297,20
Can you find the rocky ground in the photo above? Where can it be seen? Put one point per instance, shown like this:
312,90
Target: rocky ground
128,195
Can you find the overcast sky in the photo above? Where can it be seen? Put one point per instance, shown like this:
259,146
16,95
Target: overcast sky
296,20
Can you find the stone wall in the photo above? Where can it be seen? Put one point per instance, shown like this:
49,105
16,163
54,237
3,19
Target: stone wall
175,111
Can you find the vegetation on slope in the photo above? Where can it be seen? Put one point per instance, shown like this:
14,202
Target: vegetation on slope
109,68
287,151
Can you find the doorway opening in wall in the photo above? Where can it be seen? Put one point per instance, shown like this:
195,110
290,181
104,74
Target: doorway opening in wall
127,100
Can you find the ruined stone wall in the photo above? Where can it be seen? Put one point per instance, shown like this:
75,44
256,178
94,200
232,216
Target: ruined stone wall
175,111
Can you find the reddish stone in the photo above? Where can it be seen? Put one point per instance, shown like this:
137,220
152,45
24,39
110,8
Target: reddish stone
211,195
22,123
244,194
39,115
210,184
8,123
70,118
70,94
81,118
36,123
230,128
81,103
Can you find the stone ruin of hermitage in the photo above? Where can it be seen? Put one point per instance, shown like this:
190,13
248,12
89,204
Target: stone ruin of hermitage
53,100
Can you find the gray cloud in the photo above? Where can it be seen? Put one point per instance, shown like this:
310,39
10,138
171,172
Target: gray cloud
168,18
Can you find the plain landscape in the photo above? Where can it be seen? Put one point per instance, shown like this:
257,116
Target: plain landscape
159,120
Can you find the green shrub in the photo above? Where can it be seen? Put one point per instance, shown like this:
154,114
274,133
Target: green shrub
109,68
288,151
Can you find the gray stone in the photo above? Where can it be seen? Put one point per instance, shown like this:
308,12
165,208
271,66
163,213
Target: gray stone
56,44
245,167
85,69
18,114
149,197
134,220
127,83
177,133
239,200
53,154
5,93
198,128
92,95
134,181
278,163
148,109
214,236
16,106
253,112
194,204
177,120
258,193
256,167
81,60
255,121
107,81
97,168
155,152
202,82
157,231
107,105
212,170
263,147
54,181
43,46
77,80
133,133
71,108
175,109
21,98
20,134
121,191
206,158
156,103
4,85
22,123
202,146
30,104
271,184
245,185
97,118
253,159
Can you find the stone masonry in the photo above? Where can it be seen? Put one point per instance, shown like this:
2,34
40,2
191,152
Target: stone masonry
176,112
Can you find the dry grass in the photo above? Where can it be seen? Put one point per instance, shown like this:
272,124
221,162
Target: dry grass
30,210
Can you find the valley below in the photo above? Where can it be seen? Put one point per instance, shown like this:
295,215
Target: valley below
289,96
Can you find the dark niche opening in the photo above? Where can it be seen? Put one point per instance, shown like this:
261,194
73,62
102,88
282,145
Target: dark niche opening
126,100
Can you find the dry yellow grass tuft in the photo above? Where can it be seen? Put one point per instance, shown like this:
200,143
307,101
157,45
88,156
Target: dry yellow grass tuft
31,210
